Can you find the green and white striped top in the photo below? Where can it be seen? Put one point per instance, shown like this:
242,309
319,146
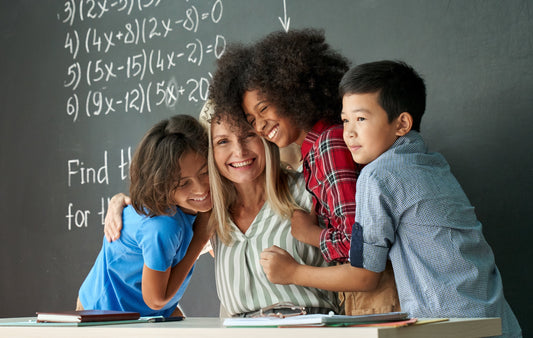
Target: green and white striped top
242,285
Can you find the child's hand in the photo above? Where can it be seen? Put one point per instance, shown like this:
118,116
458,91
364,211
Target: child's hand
113,217
202,231
278,265
304,227
202,234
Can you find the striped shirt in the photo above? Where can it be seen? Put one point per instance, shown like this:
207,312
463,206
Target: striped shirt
242,285
411,209
331,175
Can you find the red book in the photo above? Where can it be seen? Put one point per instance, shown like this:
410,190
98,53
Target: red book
86,316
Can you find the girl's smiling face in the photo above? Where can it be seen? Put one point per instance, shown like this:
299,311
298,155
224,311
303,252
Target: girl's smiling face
263,117
192,193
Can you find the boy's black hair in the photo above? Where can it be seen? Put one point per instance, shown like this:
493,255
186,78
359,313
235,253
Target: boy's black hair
297,72
401,88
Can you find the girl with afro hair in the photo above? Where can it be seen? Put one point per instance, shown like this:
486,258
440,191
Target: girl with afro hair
286,86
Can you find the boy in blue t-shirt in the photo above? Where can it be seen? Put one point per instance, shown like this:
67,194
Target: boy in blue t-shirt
410,209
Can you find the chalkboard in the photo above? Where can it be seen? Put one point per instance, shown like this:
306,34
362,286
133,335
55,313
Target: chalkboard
82,80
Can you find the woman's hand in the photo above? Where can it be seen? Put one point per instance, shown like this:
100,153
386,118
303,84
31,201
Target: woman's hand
113,217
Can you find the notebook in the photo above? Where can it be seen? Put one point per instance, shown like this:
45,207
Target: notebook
86,316
317,320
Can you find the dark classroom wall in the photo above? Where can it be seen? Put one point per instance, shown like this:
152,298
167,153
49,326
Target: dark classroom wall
82,80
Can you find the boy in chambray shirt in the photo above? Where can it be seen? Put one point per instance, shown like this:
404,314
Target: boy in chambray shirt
409,209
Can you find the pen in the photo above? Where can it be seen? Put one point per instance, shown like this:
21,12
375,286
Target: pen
163,319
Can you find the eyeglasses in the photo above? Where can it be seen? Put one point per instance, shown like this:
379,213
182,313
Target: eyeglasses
279,310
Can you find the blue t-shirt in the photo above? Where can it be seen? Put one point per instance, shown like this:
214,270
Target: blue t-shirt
411,209
114,282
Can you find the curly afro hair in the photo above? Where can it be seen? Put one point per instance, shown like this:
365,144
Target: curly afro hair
229,83
297,72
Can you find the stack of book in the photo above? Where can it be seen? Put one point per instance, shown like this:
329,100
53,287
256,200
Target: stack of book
390,319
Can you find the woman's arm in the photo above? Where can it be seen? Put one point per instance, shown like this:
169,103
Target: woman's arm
158,287
336,160
305,228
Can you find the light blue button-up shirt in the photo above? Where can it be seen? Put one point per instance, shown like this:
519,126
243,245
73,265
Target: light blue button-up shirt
412,210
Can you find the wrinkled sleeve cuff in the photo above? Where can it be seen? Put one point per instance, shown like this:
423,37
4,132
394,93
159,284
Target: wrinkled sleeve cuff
364,255
332,251
324,247
375,257
356,246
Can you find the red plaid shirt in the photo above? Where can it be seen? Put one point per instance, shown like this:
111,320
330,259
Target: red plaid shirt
331,175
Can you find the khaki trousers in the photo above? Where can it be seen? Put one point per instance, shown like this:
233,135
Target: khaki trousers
383,299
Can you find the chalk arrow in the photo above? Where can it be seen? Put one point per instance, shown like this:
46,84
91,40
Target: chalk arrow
285,22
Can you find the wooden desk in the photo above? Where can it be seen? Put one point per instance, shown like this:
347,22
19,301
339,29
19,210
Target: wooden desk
212,327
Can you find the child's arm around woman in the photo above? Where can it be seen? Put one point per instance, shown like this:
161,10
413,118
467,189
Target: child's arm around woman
158,287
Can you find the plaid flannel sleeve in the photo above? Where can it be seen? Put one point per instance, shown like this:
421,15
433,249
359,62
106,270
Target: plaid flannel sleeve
340,184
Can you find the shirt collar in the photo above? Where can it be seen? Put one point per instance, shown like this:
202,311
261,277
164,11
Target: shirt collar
411,137
413,140
313,135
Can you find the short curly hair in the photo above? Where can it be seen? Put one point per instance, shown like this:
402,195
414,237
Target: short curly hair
297,72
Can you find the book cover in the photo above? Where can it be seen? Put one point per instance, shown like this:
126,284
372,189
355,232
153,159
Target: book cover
86,316
33,322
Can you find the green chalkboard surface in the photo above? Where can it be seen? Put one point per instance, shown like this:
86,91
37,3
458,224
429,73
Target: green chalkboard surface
82,80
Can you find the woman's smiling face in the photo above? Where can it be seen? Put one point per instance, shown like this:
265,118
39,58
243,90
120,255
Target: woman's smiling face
263,117
239,154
